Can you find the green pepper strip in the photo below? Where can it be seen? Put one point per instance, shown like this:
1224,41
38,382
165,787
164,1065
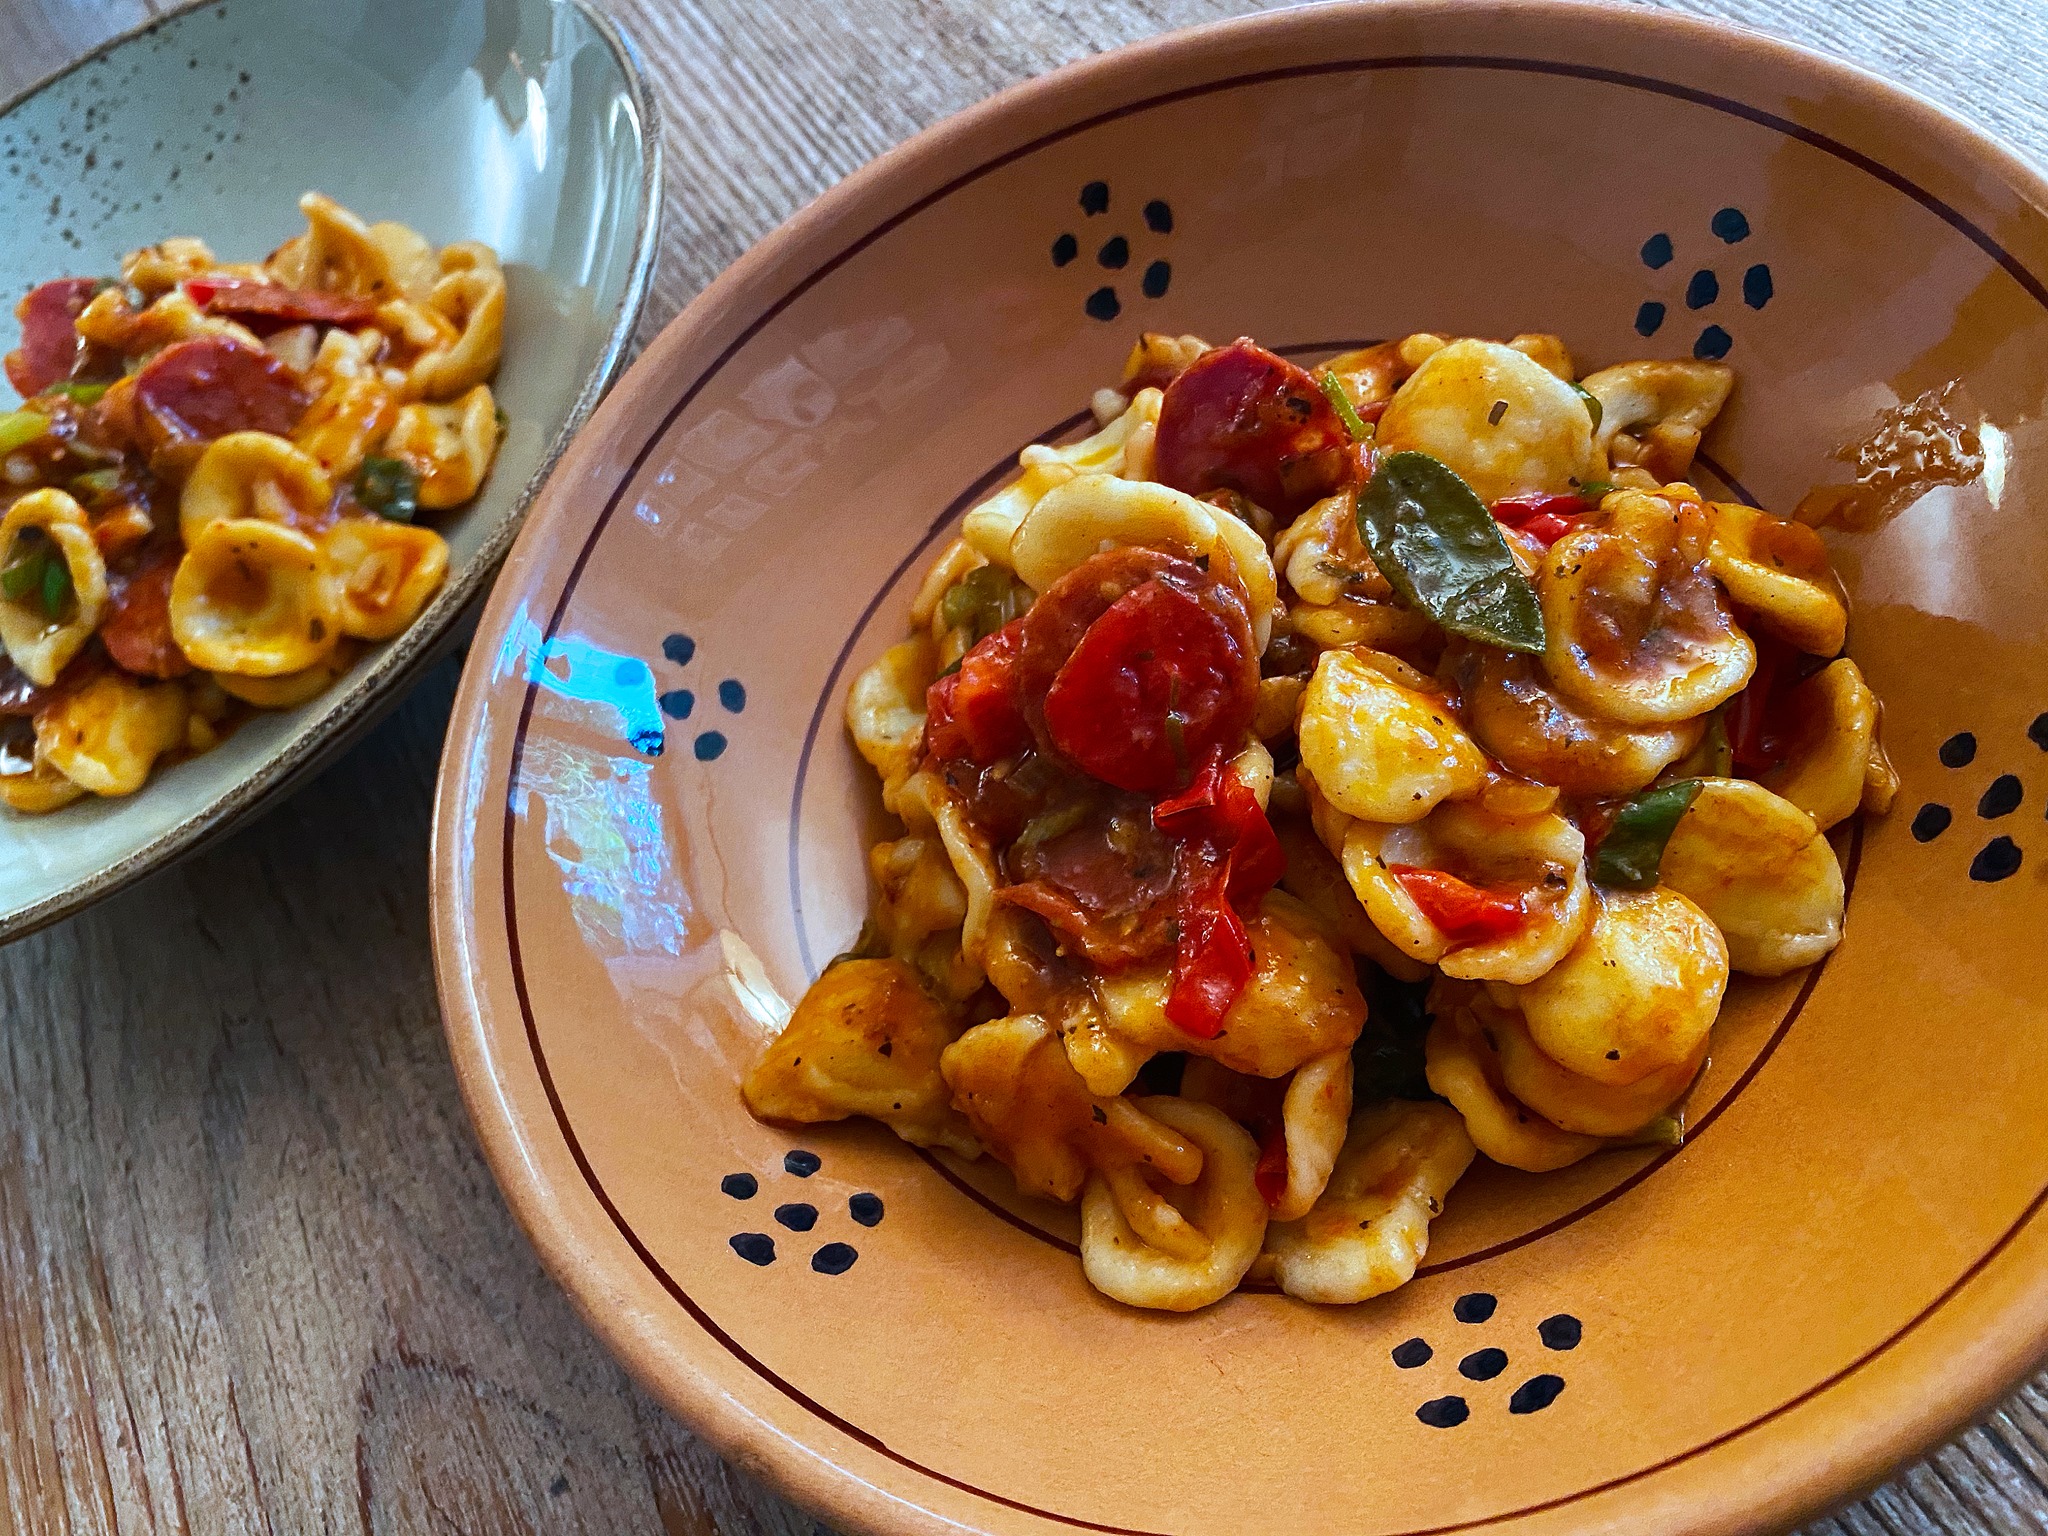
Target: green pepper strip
1632,848
1333,390
1664,1131
389,488
56,585
20,428
96,482
24,575
1047,825
1432,537
982,602
1593,407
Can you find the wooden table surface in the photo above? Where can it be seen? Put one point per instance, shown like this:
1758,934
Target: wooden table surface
254,1275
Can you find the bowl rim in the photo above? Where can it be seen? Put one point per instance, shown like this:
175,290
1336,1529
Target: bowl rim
387,674
587,1247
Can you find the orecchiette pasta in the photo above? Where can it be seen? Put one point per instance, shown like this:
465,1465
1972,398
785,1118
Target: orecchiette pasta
1636,995
1380,750
37,790
1465,1069
1653,414
337,254
1452,409
1029,1108
1299,1001
1534,730
254,597
471,299
1638,632
1370,1228
156,269
48,621
920,908
1566,1099
1758,866
1316,879
253,474
865,1041
385,572
990,527
1315,1114
885,712
1147,1262
1830,753
1540,858
1093,512
290,689
106,735
447,447
409,259
1319,818
1779,572
350,417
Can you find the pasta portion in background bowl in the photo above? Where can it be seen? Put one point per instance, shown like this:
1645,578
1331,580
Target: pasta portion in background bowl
213,483
1311,781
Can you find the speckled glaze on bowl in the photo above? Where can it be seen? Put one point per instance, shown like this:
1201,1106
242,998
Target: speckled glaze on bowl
651,829
523,123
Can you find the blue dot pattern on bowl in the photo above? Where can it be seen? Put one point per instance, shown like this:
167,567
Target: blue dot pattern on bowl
679,704
1559,1333
2001,856
833,1257
1117,250
1704,288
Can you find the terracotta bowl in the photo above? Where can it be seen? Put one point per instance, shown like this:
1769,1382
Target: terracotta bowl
651,827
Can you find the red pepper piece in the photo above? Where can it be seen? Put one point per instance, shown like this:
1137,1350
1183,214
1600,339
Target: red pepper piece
1157,685
1543,516
1271,1173
213,385
1753,733
270,306
972,713
1220,808
1213,960
1229,854
1466,913
137,631
49,335
1242,419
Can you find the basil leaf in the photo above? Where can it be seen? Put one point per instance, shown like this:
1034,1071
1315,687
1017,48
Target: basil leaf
1333,390
389,488
1632,848
1433,538
1387,1058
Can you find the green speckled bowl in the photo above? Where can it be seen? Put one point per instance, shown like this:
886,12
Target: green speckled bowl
523,123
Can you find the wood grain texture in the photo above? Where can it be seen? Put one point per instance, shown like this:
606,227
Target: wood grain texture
254,1276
